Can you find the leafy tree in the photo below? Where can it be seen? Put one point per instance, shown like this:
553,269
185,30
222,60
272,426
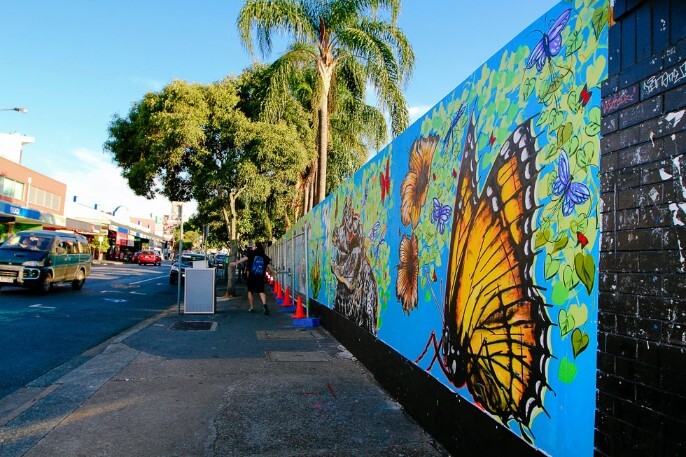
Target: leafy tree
339,39
193,141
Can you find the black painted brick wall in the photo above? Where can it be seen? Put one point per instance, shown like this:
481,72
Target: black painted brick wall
641,407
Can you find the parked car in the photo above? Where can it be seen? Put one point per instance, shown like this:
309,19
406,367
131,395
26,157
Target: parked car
187,260
39,258
149,257
133,258
219,260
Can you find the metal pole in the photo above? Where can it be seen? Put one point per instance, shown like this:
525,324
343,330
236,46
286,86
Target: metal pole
306,246
293,262
178,263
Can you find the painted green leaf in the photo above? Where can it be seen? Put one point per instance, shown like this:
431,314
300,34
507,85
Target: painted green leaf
595,73
567,371
581,224
566,322
550,89
556,118
584,264
560,243
573,101
599,21
580,342
542,237
568,278
564,133
593,127
552,266
588,154
543,118
551,152
560,293
574,42
528,88
582,160
427,296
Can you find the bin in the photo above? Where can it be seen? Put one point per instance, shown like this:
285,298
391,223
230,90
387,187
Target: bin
199,294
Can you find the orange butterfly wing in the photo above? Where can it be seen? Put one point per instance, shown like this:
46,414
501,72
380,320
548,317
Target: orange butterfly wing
495,336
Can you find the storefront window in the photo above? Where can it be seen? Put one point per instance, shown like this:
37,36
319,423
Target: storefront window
44,198
11,188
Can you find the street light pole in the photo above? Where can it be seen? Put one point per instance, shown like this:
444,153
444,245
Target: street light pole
19,110
177,210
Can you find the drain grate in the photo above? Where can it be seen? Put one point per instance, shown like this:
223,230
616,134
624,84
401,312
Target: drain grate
194,325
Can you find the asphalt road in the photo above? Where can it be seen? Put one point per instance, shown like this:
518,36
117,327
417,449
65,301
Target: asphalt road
39,333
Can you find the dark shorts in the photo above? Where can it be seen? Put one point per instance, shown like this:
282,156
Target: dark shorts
255,283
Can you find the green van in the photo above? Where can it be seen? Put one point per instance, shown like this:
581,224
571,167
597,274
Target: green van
38,259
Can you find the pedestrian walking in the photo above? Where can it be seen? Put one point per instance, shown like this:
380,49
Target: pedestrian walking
258,263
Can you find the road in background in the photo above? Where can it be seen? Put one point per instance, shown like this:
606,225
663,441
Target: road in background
41,332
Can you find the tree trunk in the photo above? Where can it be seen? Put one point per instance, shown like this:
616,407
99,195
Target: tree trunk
323,148
306,198
230,286
325,68
227,221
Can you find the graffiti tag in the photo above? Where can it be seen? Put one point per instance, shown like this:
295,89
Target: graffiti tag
666,80
619,100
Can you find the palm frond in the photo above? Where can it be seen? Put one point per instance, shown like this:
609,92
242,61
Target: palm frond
264,17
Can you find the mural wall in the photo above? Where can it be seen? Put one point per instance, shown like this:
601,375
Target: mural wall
470,244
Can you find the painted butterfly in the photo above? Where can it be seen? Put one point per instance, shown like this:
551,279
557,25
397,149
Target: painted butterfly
551,43
374,232
585,95
440,215
573,193
385,181
495,326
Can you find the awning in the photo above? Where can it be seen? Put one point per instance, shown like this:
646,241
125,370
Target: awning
85,227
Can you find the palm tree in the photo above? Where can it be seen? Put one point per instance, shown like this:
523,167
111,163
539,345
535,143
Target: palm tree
348,39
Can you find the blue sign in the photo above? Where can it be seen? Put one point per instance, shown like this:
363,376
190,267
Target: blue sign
19,211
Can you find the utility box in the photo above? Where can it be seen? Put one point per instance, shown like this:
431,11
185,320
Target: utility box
199,294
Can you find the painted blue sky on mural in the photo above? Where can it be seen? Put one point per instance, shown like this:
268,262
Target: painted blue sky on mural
478,230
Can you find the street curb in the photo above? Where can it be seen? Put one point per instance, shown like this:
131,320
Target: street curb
47,381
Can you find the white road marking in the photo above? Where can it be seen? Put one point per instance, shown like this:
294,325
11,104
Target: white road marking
41,306
149,279
116,300
137,293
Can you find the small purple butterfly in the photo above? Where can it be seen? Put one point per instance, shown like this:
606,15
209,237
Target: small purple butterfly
374,232
573,193
440,215
551,43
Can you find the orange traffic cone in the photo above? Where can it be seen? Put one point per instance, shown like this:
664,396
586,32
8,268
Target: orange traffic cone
279,293
299,310
287,298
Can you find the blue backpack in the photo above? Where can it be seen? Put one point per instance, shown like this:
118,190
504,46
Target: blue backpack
257,267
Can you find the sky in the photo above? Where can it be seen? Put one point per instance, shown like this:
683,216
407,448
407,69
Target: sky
74,64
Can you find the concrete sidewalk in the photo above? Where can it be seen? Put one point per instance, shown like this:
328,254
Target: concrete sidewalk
250,385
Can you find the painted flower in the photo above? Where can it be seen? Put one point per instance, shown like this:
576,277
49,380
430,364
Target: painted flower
408,273
415,186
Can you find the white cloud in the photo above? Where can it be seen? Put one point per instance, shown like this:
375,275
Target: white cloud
150,84
94,179
417,111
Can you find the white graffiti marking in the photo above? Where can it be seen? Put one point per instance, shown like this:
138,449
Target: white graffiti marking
675,117
665,80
